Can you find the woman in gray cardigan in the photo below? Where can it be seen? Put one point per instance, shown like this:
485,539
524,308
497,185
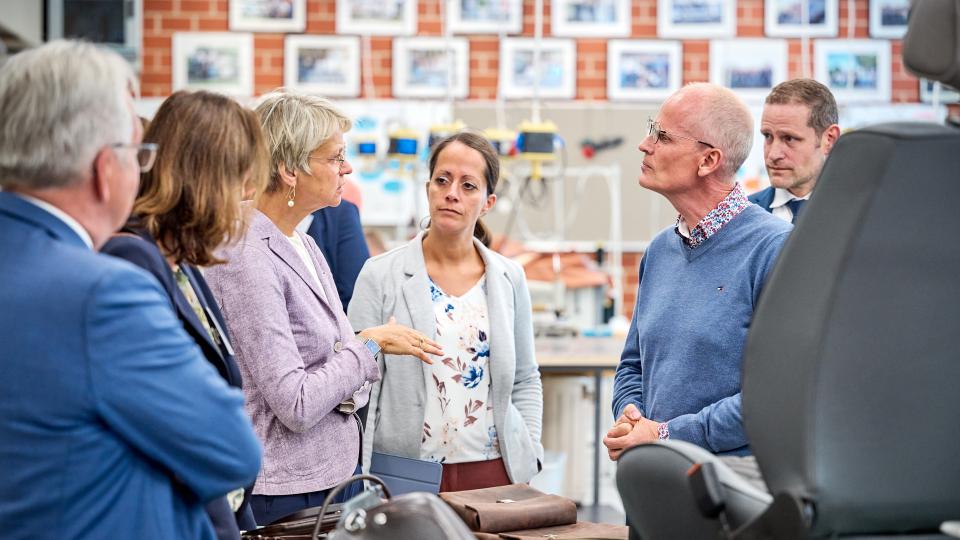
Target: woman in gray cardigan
304,370
477,409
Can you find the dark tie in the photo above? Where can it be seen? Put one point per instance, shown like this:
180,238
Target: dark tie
795,206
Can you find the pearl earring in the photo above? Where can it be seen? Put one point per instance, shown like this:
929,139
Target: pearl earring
293,193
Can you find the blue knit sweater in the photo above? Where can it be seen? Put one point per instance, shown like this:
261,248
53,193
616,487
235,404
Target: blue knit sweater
681,361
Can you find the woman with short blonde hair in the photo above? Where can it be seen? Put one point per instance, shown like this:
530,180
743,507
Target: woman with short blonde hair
308,371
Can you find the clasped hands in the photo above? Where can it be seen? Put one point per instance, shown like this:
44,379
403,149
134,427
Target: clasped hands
397,339
630,430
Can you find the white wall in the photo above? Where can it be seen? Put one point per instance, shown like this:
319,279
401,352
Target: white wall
23,18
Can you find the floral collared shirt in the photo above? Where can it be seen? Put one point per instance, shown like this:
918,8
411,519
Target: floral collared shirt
731,205
458,424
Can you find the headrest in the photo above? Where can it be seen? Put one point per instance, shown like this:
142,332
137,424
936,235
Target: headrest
931,47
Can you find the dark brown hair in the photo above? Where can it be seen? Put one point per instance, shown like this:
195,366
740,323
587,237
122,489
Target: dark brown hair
491,173
190,200
816,96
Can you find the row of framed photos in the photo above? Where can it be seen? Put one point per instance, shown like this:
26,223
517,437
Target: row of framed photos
676,19
426,67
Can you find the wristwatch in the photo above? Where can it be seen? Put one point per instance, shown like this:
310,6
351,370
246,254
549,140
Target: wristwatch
372,346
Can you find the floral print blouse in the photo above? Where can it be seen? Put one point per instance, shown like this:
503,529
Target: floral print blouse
458,425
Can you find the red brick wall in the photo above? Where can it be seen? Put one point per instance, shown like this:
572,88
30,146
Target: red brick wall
164,17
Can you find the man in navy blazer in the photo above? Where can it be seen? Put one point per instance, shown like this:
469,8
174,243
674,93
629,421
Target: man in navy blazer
338,232
799,128
114,426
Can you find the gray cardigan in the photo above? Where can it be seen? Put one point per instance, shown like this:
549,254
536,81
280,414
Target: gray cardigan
396,283
298,356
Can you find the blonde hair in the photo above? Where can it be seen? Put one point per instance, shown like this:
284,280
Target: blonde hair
209,146
295,125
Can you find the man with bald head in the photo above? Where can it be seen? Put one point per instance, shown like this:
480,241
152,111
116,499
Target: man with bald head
679,374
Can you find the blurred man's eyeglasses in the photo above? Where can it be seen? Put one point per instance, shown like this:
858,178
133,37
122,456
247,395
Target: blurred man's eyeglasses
658,134
146,154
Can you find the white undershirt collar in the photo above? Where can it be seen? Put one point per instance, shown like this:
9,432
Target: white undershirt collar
779,208
62,216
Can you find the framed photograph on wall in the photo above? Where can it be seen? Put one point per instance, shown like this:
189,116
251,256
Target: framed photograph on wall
888,18
519,69
855,70
377,17
485,16
430,67
929,88
590,18
217,61
324,65
796,18
268,15
643,70
696,19
749,67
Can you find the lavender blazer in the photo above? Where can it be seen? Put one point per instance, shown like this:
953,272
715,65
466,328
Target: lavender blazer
298,356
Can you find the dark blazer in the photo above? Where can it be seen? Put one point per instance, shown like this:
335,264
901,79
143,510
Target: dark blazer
763,197
142,250
113,426
337,230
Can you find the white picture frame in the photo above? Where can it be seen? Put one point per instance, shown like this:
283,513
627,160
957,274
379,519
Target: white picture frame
485,16
947,94
749,67
377,17
888,18
855,70
323,65
558,73
696,19
784,18
268,15
423,67
643,70
217,61
590,18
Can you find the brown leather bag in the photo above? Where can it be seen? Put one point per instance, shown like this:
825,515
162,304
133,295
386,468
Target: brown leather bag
582,530
510,508
297,526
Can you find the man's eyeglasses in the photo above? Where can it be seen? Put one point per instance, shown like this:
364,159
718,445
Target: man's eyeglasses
658,134
146,154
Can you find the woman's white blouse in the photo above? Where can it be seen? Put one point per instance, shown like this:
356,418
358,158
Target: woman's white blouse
458,423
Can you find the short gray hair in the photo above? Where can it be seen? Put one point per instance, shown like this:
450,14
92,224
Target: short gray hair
60,104
720,118
294,125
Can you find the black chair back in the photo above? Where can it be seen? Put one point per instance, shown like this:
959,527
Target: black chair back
851,388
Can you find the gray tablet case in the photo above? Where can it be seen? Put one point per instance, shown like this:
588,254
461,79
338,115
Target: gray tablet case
406,475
